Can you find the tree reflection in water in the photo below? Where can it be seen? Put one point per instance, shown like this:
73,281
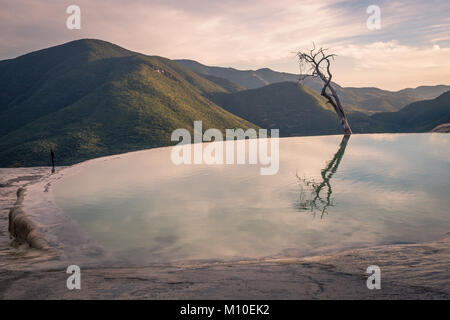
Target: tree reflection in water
315,197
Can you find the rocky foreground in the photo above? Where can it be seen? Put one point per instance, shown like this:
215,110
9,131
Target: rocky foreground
444,128
413,271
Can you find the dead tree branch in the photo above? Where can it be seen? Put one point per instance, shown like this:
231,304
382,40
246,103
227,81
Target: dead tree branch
317,63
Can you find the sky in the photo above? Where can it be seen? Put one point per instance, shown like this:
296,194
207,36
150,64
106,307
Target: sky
411,47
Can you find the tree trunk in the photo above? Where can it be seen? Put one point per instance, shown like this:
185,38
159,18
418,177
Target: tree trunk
314,59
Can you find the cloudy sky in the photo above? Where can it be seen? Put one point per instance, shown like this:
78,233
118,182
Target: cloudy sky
411,48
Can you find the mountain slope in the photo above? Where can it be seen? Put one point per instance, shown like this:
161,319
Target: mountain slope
367,100
90,98
228,85
248,79
294,109
426,92
374,100
420,116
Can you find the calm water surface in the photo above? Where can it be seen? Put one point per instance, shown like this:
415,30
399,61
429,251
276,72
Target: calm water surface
330,194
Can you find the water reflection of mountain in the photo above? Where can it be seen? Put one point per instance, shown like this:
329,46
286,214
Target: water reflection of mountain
315,197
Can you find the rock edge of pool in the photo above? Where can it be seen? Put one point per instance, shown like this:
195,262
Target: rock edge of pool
408,271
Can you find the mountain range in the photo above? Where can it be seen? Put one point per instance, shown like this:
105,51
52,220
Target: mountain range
367,100
89,98
295,109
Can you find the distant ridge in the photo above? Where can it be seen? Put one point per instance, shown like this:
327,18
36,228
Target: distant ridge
420,116
367,100
298,110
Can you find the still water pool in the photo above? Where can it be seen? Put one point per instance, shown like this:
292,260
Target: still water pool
330,194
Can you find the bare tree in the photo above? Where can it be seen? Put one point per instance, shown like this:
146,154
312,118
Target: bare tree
316,63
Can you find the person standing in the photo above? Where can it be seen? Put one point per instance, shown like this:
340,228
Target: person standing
52,155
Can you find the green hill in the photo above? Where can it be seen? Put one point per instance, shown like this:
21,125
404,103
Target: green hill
366,100
90,98
420,116
228,85
296,110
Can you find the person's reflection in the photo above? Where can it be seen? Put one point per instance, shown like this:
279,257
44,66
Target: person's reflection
316,197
